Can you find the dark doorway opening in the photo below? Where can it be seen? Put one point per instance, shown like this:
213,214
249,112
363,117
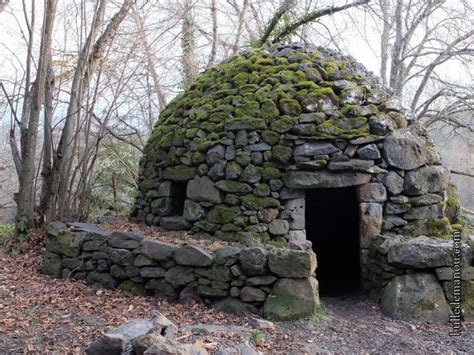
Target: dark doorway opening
179,196
332,225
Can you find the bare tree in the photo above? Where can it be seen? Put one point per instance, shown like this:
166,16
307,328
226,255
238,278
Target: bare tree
25,198
417,40
88,60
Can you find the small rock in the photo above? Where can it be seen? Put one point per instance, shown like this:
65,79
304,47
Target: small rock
152,272
372,192
203,189
369,152
252,294
125,240
240,349
180,276
118,339
315,148
393,182
174,223
262,323
279,227
300,244
192,256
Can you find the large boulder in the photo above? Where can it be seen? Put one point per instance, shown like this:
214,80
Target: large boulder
422,252
431,178
292,299
465,291
415,297
404,149
292,263
203,189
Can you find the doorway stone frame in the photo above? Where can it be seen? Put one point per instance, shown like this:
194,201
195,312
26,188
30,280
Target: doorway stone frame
371,197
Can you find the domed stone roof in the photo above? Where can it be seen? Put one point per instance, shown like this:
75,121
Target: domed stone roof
227,157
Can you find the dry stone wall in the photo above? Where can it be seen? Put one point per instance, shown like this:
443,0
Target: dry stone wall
232,156
277,282
414,277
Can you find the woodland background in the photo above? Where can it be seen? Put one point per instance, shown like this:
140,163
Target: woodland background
82,82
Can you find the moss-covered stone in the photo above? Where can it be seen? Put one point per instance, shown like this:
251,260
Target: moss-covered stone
221,214
439,228
247,108
253,202
179,173
270,137
65,243
269,173
52,264
453,204
466,292
292,299
254,110
281,153
132,287
283,124
248,123
290,107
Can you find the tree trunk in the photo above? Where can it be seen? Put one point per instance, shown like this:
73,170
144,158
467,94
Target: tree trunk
25,198
188,45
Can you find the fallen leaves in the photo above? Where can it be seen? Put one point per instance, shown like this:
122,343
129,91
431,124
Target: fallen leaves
40,314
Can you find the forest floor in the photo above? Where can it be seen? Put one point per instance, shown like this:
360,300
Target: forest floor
39,314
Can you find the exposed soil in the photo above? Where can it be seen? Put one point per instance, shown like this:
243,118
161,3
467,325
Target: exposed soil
40,314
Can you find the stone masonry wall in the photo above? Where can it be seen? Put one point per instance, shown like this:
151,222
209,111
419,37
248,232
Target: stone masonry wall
413,277
231,157
277,282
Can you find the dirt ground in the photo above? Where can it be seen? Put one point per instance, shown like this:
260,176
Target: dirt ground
39,314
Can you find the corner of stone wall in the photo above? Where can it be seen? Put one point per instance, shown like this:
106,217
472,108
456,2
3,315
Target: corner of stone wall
413,277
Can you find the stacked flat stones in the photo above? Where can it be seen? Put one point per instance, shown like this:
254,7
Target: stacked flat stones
251,132
277,282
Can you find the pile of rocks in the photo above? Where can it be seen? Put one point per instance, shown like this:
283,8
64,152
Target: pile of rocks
155,337
277,282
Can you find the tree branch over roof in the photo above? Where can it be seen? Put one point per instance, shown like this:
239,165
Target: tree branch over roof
310,17
282,10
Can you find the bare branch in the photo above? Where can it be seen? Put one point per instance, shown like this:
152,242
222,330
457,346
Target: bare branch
312,16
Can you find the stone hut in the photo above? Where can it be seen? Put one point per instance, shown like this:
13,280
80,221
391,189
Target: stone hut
295,143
